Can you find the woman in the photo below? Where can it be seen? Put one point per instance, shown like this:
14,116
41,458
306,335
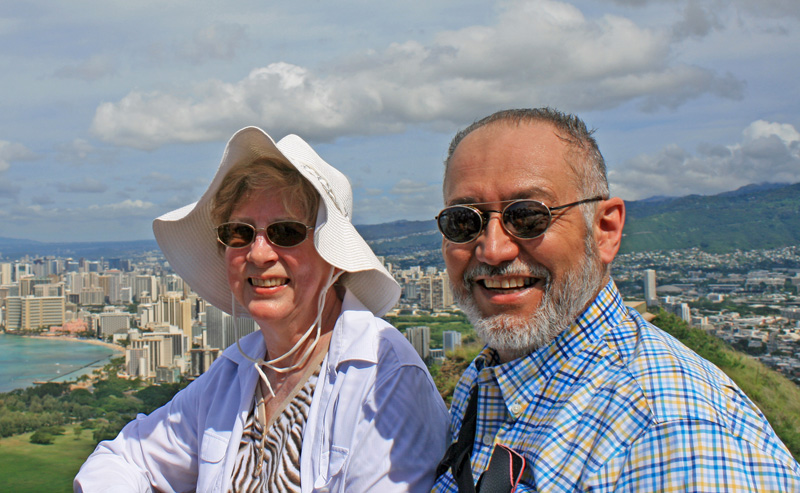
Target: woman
326,396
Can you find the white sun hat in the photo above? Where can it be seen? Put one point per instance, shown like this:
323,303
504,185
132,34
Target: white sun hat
188,239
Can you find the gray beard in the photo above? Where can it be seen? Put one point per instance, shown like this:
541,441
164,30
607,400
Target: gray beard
563,301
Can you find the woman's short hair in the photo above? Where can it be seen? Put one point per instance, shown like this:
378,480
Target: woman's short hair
265,176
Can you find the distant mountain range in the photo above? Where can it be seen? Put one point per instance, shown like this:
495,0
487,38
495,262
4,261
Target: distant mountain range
752,217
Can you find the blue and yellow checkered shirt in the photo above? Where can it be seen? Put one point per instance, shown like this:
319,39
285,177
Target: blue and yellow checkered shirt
616,404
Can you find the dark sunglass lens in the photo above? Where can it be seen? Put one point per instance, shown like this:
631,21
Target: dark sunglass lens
460,224
236,235
526,218
286,234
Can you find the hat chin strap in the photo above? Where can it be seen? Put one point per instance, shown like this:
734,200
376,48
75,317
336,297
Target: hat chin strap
258,363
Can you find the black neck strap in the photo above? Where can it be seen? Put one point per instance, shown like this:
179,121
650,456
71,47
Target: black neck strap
456,458
505,465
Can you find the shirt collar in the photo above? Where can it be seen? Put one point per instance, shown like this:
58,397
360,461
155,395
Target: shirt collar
520,381
351,338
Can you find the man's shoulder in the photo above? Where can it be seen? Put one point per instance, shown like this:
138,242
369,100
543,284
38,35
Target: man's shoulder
676,382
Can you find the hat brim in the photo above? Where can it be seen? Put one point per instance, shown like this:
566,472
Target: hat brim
187,238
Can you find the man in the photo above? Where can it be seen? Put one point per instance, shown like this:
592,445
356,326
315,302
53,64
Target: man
574,392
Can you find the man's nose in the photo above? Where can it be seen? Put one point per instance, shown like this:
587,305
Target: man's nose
495,245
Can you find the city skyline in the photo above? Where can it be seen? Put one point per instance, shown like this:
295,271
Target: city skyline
114,116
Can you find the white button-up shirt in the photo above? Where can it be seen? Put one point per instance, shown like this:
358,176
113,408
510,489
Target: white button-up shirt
376,423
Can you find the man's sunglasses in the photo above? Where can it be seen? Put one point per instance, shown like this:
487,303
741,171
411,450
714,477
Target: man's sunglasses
284,234
524,219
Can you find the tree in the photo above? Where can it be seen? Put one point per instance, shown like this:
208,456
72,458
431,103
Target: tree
41,438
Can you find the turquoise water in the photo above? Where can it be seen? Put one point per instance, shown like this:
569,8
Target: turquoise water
24,360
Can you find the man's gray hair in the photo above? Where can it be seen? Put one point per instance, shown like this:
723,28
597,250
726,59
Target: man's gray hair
590,168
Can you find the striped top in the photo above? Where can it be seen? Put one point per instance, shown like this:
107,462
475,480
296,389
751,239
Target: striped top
616,404
270,460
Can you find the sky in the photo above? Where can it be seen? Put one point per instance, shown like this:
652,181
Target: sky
113,113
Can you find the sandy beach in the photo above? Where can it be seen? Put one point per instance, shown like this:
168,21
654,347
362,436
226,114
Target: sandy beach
96,342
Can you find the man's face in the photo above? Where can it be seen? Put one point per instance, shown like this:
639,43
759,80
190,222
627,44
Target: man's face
518,293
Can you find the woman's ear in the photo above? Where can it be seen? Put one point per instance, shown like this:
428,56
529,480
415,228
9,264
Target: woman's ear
608,223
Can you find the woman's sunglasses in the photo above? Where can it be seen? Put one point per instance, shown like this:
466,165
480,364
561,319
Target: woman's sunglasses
284,234
524,219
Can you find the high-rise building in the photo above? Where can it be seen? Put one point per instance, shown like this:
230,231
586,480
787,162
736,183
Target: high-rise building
434,291
136,361
49,289
159,352
145,286
202,359
420,338
92,296
175,310
5,273
114,323
650,296
451,340
680,309
21,270
27,284
31,313
221,331
111,282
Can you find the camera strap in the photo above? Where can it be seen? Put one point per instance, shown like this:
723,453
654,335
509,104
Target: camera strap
505,465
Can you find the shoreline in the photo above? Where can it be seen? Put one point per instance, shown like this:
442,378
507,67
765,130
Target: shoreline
87,366
96,342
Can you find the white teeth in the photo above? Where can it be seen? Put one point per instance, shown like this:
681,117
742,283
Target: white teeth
512,283
267,283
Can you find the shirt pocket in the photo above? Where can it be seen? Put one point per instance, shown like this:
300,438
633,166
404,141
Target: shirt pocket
213,447
335,460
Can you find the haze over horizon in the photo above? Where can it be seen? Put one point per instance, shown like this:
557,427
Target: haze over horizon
114,116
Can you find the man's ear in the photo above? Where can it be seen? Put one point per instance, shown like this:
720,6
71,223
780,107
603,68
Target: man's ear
608,223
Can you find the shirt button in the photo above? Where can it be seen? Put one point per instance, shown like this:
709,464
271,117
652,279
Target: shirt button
488,440
516,408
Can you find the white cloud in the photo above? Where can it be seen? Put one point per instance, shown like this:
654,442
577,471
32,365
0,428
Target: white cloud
768,152
535,52
126,207
81,151
760,129
12,151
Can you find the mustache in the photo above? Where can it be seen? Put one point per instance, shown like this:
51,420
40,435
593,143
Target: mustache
516,267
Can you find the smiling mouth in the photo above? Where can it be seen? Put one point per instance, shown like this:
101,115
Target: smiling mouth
508,283
268,283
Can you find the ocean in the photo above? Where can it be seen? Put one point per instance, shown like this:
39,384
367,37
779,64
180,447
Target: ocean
24,360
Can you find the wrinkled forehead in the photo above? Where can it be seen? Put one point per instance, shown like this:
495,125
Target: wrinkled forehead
508,161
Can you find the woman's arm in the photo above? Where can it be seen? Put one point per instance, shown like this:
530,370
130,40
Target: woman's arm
403,436
159,450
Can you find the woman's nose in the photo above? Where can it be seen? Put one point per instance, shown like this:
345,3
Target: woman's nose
261,251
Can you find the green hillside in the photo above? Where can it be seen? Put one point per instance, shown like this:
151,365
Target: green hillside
755,217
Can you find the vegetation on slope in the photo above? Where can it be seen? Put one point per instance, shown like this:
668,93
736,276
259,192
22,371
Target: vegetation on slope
747,219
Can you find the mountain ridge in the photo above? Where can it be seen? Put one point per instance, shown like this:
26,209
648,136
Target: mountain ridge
756,216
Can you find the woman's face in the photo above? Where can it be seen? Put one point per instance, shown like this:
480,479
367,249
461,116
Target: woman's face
278,286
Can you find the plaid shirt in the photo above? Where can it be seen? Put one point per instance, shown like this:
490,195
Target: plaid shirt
616,404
